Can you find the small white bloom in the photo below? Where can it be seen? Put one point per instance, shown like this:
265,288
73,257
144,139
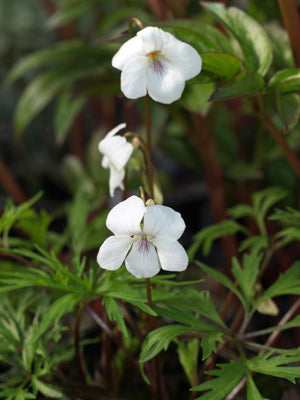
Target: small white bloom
116,153
156,62
145,237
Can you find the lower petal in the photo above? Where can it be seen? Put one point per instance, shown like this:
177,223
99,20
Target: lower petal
115,180
113,252
142,263
134,78
166,85
172,255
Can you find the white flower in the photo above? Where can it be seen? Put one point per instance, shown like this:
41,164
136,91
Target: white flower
116,153
156,62
146,237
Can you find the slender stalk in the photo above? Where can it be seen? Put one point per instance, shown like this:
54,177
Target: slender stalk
131,22
148,289
10,184
279,138
148,147
202,136
79,357
291,21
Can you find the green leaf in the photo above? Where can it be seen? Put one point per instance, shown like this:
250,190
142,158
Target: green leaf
43,89
195,98
252,391
251,37
287,283
208,343
288,107
65,53
160,339
283,75
45,389
268,364
200,42
188,357
54,313
221,278
114,313
246,83
214,35
247,275
65,111
283,55
209,234
228,376
224,65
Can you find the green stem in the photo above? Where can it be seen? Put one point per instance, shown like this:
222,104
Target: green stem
291,21
131,22
148,146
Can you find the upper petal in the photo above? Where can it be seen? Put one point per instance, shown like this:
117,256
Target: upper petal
183,57
134,77
172,255
142,263
113,252
166,83
115,130
163,221
125,218
128,50
153,39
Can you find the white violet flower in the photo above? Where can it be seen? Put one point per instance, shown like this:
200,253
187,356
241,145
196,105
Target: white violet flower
146,237
116,153
156,62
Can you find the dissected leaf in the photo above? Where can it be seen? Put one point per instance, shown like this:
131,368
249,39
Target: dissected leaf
275,366
208,343
224,280
114,313
252,391
246,274
287,283
227,377
188,357
160,339
209,234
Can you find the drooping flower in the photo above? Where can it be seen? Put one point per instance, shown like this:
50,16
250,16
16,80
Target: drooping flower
116,153
146,237
156,62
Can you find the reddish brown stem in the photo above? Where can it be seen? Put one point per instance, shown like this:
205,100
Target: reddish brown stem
202,136
10,184
281,141
291,21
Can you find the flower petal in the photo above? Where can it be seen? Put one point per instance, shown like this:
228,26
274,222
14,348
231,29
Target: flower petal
165,84
142,264
128,50
115,130
117,149
115,180
125,217
134,77
153,39
113,252
183,58
163,221
171,254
